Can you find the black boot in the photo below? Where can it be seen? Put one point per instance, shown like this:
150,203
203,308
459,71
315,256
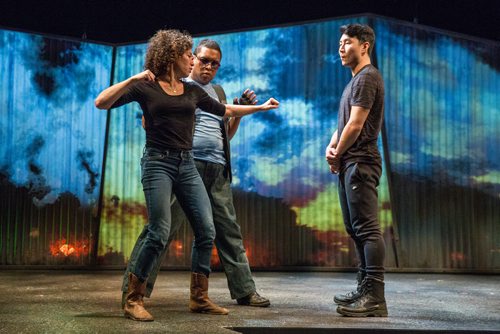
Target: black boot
352,296
370,304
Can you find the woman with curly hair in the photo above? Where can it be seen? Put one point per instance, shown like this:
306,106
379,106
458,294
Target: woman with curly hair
167,165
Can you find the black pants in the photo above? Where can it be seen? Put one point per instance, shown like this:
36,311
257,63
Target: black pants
359,202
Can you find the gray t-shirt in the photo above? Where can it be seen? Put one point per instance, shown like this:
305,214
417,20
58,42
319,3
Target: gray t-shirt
366,90
208,142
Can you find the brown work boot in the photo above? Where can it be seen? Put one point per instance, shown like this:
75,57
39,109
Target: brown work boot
352,296
254,299
134,304
370,304
199,301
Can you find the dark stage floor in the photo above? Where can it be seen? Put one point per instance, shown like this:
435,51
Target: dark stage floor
89,302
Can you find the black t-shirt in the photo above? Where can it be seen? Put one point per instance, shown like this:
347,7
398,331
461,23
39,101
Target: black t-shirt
170,119
366,90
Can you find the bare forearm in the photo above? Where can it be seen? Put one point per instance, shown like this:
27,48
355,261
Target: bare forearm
333,140
348,138
234,123
111,94
236,110
233,110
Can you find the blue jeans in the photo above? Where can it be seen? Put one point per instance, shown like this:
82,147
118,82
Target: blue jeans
228,239
164,173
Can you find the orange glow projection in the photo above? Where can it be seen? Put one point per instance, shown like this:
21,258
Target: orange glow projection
63,248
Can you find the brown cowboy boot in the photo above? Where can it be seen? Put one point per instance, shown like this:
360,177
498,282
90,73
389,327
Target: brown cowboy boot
199,301
134,304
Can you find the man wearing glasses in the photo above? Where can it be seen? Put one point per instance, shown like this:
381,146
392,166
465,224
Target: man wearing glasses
212,158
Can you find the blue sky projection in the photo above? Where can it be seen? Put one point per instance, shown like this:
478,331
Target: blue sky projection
442,107
442,117
52,136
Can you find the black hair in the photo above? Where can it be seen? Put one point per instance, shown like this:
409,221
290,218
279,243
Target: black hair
362,32
209,44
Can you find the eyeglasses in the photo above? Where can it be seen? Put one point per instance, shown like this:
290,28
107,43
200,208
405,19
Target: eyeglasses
214,64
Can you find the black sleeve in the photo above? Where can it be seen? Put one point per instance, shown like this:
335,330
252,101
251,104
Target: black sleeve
131,94
208,104
364,91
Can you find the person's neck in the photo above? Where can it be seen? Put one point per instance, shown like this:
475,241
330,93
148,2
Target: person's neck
170,82
355,70
169,78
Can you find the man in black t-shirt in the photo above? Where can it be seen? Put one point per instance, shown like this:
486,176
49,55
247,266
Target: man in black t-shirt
353,154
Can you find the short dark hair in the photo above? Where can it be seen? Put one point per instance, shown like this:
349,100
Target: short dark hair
362,32
209,44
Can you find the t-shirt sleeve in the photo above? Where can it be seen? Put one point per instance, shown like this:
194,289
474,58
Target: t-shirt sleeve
364,91
208,104
131,94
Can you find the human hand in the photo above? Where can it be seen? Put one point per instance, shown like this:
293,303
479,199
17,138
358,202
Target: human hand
333,159
270,104
146,75
248,97
329,152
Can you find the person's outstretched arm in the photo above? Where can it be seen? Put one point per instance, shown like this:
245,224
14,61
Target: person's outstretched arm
111,94
239,111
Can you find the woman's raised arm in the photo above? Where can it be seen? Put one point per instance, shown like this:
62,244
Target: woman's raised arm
109,96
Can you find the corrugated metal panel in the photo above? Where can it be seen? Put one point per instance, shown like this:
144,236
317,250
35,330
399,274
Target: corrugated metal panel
443,131
52,145
285,197
124,211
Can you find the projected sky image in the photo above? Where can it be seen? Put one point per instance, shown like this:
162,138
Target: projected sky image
442,125
52,136
443,122
277,154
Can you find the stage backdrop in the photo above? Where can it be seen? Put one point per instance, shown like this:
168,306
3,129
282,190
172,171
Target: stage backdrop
285,196
443,134
52,146
439,207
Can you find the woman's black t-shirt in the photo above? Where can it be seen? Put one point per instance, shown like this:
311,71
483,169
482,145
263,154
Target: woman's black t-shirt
170,118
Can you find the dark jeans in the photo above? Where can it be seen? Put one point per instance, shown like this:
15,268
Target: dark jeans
359,202
228,238
164,173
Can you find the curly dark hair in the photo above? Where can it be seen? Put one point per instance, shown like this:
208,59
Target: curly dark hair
164,48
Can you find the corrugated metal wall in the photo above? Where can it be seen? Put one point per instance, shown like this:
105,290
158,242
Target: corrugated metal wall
52,145
441,138
285,197
124,212
443,130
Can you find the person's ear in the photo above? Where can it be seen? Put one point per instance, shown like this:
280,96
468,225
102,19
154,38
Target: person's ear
366,46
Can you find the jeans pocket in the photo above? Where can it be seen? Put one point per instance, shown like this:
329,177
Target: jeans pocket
367,173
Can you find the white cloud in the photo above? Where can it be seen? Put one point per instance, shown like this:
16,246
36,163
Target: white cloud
296,111
254,58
